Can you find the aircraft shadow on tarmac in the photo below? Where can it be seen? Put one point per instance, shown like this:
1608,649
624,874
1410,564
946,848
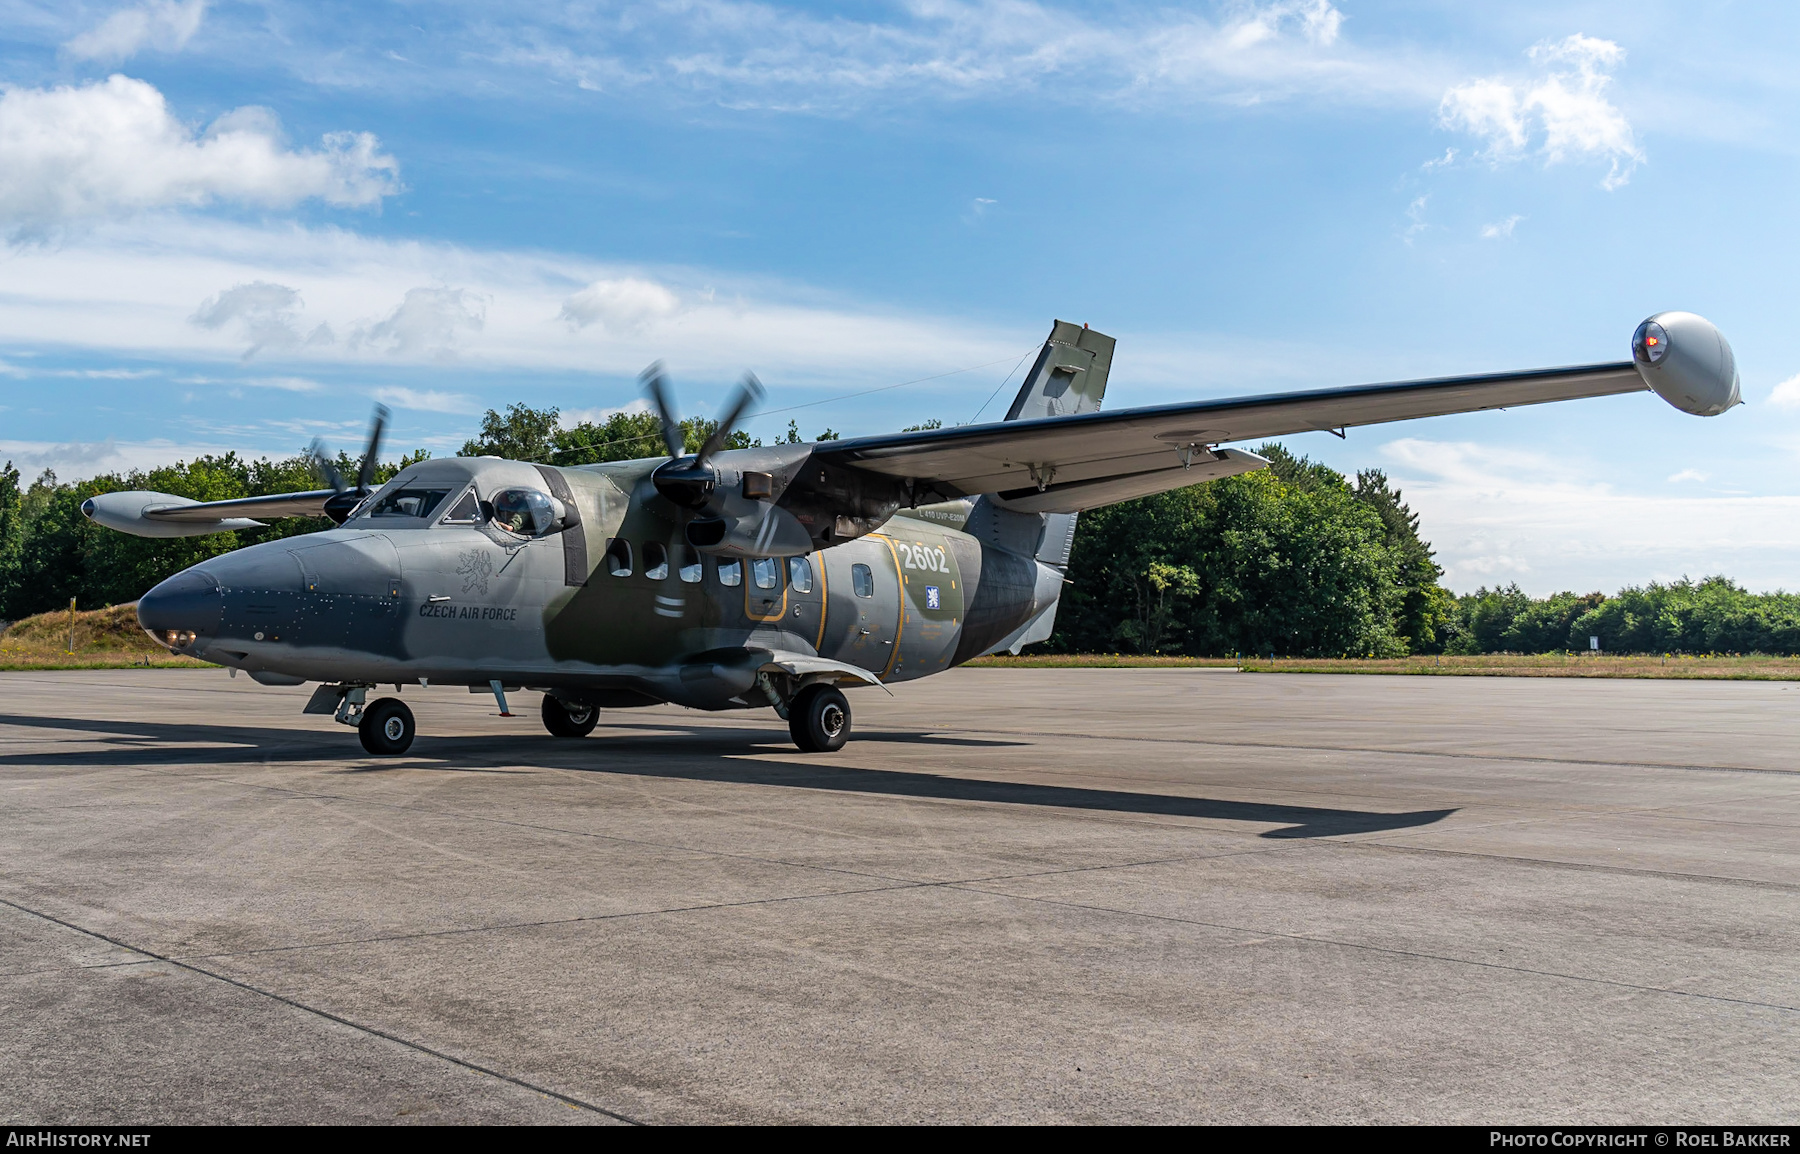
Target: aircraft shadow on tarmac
692,753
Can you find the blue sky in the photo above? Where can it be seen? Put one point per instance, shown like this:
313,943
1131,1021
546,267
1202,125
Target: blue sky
238,225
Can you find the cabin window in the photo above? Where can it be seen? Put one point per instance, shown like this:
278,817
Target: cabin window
656,560
690,564
766,572
800,574
731,573
465,512
862,579
618,557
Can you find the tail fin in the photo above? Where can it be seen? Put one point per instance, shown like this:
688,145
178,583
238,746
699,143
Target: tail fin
1069,375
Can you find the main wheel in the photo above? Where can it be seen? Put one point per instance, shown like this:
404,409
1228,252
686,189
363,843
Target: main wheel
386,727
566,720
819,719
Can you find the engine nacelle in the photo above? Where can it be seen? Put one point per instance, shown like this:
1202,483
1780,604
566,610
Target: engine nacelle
763,530
126,513
1687,362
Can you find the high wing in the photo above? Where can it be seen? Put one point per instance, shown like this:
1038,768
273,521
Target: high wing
1066,464
308,504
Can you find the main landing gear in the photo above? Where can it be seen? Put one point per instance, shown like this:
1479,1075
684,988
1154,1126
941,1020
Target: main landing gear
569,719
819,719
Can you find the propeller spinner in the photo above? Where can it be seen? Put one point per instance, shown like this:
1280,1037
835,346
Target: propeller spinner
339,506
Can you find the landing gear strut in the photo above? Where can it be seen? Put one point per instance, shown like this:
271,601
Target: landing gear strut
569,719
819,719
386,728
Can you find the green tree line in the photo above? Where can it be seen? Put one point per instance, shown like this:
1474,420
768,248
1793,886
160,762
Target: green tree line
1297,559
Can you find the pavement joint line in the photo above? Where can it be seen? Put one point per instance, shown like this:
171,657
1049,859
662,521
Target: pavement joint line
1519,757
292,1003
1391,951
299,795
1552,863
615,838
900,884
318,795
1549,819
547,923
1525,758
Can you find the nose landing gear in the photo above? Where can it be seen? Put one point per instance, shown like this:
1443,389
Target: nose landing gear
386,728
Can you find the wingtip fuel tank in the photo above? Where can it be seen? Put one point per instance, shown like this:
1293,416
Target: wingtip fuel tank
129,512
1687,362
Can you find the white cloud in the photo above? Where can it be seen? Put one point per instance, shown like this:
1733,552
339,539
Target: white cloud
429,400
1563,112
569,418
133,288
1553,523
1501,228
264,314
1415,217
160,24
773,57
428,321
624,305
70,460
113,148
1688,475
1786,395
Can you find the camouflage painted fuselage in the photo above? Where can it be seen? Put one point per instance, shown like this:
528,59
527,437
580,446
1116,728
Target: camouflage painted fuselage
403,599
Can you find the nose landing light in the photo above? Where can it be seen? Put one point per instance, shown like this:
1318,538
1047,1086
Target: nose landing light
174,640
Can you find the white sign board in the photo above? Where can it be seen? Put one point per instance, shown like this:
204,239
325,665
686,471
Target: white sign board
1594,643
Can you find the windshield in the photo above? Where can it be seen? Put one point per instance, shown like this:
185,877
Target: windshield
406,502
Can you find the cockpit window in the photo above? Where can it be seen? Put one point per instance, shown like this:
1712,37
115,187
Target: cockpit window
406,502
526,512
465,512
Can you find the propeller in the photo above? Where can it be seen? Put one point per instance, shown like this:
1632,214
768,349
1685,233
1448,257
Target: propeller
344,502
687,480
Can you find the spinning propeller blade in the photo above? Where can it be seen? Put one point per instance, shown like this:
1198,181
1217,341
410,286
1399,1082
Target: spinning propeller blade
339,507
371,457
657,385
686,480
750,391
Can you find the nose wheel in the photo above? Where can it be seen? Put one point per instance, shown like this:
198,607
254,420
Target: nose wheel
569,719
386,728
819,719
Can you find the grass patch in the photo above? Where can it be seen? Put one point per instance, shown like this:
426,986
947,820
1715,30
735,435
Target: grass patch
102,639
1729,667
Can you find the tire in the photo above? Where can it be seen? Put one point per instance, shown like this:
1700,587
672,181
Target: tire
566,721
819,719
386,727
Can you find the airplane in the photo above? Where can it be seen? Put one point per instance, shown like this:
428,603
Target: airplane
774,576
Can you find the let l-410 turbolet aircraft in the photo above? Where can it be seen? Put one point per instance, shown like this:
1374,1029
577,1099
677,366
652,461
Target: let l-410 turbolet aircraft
745,578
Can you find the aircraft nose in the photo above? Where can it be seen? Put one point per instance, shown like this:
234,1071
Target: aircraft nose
183,612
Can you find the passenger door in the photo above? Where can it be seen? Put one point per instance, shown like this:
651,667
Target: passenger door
806,599
862,603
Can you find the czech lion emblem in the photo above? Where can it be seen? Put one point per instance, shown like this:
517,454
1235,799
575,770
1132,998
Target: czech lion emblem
475,567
